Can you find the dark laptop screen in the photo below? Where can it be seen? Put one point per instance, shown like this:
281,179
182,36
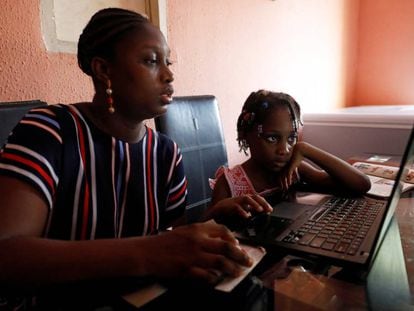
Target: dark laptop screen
407,162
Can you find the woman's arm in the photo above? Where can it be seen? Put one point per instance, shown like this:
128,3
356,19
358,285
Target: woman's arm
27,259
335,174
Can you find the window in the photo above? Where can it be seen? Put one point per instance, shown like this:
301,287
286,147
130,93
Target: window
63,21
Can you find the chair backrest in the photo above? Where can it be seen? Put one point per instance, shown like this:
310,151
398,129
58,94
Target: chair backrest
11,113
193,122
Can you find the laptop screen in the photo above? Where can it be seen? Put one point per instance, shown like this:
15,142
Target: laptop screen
405,165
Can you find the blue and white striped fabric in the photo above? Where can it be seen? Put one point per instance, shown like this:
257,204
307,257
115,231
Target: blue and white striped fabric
95,185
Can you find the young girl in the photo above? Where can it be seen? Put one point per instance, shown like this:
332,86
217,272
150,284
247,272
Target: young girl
270,125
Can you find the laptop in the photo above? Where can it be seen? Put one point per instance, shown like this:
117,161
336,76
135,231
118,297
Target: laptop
339,230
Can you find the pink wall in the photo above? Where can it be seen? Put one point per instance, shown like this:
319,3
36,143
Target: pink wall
326,53
386,53
27,71
230,48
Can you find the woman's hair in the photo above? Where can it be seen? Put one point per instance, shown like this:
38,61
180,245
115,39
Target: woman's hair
103,31
257,107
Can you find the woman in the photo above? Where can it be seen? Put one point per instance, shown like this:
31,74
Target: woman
85,188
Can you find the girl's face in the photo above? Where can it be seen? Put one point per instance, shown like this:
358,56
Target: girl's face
272,148
140,74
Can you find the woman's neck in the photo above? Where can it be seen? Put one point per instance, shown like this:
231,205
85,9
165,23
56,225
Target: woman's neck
113,124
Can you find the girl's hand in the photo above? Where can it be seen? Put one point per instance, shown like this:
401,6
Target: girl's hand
204,251
291,170
242,206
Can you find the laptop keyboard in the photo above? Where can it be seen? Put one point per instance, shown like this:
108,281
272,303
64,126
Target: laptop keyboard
339,225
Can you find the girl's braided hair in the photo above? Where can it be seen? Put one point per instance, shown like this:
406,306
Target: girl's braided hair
103,31
257,107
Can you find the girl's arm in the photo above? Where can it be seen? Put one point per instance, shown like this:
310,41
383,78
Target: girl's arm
221,190
335,174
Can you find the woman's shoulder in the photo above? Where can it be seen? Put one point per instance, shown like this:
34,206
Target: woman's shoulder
49,109
166,146
40,119
54,107
53,111
163,139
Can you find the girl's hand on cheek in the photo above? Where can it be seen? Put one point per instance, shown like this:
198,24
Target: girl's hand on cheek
291,170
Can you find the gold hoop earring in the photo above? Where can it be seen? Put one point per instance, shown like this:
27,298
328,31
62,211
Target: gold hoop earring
109,99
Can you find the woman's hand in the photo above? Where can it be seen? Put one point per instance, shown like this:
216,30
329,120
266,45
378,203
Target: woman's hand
242,206
205,251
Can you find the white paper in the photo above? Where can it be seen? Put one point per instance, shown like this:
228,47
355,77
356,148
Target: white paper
256,253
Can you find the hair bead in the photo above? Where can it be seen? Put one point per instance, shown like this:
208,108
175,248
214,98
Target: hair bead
256,108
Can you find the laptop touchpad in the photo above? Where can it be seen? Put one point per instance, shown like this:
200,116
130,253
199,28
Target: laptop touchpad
291,210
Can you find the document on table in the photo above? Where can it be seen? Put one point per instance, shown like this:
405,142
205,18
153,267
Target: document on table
145,294
229,283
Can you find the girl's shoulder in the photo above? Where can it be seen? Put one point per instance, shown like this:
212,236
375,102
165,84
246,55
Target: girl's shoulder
236,178
236,170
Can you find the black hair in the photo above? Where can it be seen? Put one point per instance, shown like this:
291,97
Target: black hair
256,108
105,28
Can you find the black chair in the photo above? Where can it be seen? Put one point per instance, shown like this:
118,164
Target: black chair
11,113
193,122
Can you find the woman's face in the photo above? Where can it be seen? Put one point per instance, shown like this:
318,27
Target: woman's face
272,148
140,75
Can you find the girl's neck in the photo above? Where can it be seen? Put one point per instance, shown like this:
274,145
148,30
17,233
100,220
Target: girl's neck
261,178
